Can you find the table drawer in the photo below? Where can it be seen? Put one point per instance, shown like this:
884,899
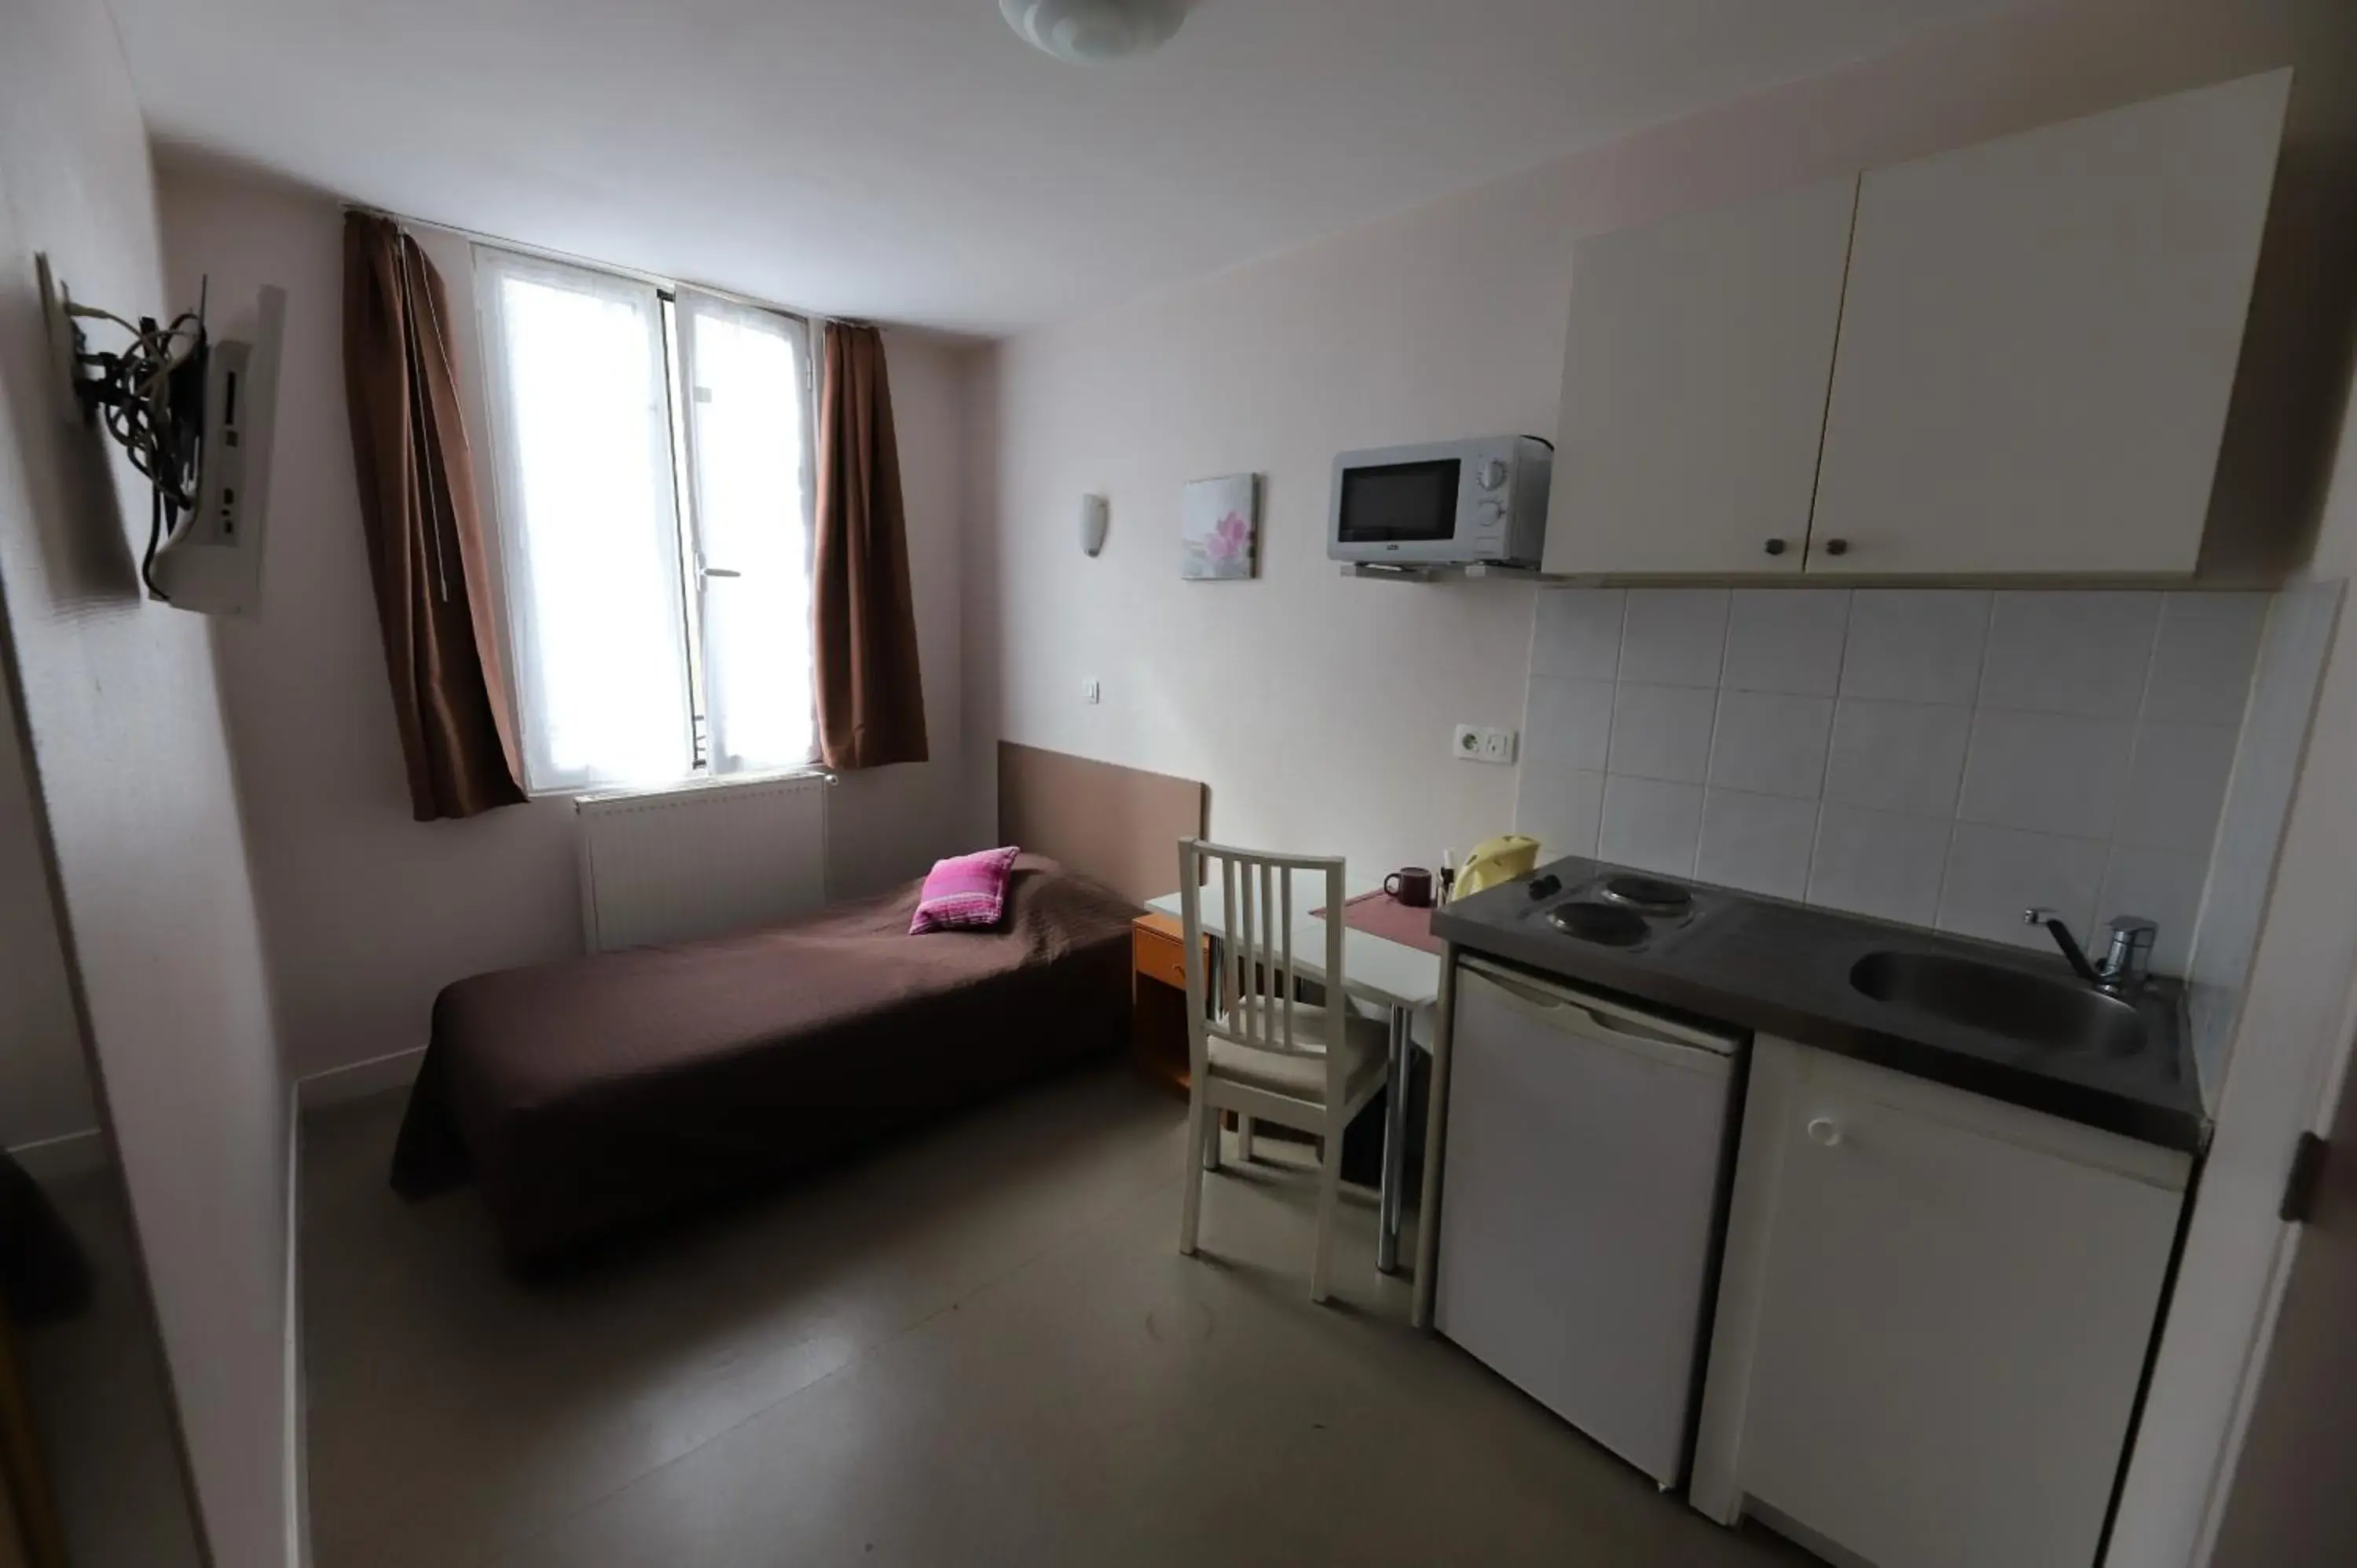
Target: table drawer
1159,956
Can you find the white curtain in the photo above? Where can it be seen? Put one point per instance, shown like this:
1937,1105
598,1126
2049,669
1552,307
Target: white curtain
589,527
748,428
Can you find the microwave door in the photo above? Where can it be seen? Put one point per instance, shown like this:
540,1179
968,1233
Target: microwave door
1408,509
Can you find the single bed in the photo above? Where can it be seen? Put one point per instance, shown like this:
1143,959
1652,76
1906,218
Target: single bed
588,1096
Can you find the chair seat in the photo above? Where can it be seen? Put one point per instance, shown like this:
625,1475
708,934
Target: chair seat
1298,1074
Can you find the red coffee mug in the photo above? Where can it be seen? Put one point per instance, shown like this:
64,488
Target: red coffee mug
1412,886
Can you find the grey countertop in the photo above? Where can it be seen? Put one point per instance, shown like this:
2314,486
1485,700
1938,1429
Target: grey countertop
1783,969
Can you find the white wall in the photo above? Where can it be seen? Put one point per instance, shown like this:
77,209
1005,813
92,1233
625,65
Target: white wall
2290,1024
370,913
44,1084
1945,757
133,775
1319,709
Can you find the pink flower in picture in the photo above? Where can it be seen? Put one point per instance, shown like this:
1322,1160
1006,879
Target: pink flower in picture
1219,527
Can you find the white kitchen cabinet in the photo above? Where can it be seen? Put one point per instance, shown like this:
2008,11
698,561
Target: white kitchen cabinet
1933,1313
2038,339
1694,388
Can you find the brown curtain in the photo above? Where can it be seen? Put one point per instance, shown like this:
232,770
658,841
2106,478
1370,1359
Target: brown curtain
871,702
425,544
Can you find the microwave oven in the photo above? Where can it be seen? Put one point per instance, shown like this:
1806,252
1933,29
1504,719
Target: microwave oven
1447,503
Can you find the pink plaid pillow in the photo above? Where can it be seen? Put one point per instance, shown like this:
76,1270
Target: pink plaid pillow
965,890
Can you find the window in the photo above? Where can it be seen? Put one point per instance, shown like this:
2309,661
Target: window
654,460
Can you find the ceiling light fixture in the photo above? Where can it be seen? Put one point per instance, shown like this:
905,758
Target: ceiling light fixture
1089,32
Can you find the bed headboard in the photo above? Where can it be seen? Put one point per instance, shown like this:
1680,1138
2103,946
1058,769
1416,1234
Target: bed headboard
1120,825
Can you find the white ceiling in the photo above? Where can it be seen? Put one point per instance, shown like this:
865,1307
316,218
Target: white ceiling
912,160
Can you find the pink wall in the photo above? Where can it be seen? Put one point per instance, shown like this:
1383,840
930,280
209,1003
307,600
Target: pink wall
368,913
133,776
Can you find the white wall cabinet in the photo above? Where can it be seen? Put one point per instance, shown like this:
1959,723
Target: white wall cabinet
2033,347
1694,389
2038,341
1933,1315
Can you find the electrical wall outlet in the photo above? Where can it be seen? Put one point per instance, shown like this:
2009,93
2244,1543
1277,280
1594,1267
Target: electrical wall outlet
1478,743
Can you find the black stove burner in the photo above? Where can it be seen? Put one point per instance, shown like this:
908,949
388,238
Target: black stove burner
1599,923
1648,895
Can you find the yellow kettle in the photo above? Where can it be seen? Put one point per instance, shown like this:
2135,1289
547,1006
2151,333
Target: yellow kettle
1493,860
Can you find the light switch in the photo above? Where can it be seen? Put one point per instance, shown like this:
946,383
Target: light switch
1092,693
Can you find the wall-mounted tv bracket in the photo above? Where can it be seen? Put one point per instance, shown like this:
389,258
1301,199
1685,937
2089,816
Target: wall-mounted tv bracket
148,395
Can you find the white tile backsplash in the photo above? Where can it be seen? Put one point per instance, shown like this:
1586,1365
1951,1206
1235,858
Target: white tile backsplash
1915,645
2048,773
2201,665
1757,842
1780,640
1884,864
1674,636
1995,873
1771,743
2060,652
1575,635
2177,782
1661,732
1567,725
1897,757
1563,812
1650,825
1942,757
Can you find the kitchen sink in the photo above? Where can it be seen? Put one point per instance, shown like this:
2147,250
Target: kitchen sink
2053,1014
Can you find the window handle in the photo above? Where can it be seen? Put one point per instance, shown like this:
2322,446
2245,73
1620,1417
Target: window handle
721,571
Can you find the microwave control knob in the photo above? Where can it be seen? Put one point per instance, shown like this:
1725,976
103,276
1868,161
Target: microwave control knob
1493,474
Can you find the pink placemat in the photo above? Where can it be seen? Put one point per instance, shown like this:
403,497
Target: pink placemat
1379,915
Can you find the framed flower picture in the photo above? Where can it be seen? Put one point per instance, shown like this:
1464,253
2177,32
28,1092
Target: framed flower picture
1219,527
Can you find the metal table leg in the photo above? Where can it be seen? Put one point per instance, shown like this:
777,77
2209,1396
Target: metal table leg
1214,995
1387,1232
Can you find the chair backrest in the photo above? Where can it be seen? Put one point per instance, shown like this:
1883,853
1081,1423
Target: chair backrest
1264,902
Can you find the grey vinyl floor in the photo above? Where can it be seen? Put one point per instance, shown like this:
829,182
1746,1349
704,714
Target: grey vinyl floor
101,1404
978,1344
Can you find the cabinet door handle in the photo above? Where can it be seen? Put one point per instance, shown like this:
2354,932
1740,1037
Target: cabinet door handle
1837,546
1775,547
1825,1132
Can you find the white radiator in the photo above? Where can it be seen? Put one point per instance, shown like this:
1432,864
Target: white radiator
694,862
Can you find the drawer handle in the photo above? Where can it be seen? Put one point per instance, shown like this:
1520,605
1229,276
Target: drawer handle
1825,1132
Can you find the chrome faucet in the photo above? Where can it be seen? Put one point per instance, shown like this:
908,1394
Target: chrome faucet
2126,963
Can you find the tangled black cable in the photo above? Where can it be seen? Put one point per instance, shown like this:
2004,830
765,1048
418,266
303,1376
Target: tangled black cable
151,395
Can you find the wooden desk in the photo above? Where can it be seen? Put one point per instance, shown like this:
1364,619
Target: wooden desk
1158,992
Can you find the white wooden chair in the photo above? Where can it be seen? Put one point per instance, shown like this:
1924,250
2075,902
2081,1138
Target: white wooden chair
1265,1055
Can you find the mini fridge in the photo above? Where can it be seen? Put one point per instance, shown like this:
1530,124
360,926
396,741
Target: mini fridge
1583,1187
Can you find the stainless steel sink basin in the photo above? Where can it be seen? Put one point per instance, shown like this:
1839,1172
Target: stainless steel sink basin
2057,1014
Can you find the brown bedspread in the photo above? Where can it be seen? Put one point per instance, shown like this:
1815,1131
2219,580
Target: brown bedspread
588,1095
